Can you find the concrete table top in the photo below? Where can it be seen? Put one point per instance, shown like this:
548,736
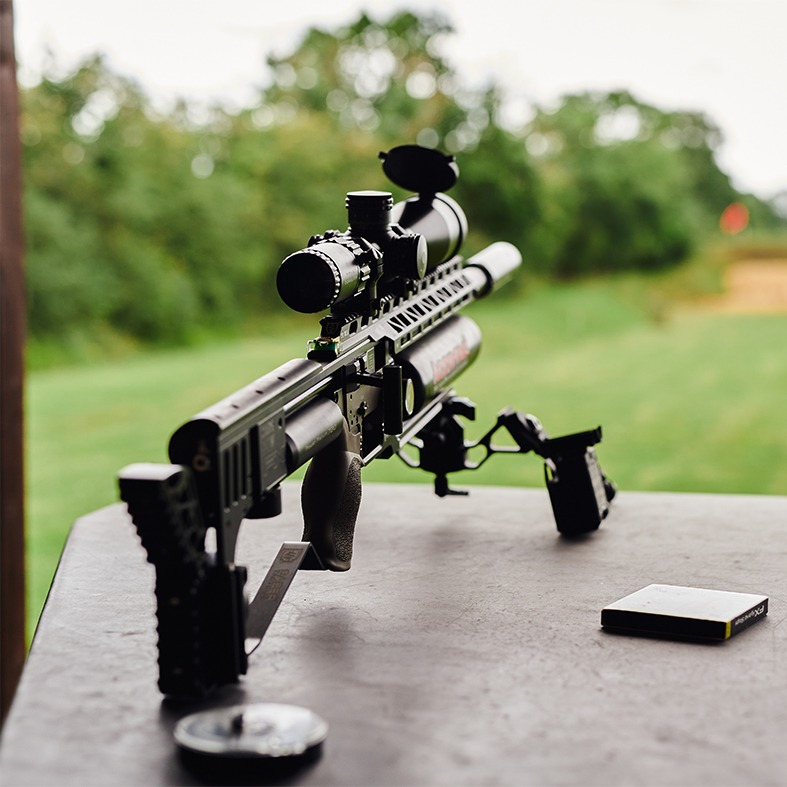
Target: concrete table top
463,647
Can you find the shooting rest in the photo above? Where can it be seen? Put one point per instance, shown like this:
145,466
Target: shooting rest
463,647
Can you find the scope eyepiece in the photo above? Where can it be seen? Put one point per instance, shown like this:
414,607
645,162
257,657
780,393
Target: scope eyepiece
327,272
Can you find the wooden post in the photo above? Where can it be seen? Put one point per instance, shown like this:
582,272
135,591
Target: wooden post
12,337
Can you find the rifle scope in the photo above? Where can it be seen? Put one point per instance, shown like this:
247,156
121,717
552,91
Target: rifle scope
384,242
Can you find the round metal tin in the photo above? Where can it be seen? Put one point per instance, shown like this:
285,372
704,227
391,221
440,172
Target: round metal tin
264,730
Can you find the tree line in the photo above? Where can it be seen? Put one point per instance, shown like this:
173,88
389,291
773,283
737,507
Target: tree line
159,227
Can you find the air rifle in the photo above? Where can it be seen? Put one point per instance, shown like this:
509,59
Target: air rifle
377,379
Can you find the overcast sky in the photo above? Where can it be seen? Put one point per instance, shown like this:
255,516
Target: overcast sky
727,58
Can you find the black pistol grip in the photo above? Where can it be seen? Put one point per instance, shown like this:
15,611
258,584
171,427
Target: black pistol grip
330,498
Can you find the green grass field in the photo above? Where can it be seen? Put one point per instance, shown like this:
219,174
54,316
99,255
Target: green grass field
689,401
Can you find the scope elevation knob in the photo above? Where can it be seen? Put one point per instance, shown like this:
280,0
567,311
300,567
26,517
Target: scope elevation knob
369,214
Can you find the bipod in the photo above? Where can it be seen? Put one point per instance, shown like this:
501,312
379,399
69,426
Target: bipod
579,491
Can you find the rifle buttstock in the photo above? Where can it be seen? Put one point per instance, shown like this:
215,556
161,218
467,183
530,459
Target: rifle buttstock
200,604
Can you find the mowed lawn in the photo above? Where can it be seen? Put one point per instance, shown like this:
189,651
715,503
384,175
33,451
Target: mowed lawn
689,400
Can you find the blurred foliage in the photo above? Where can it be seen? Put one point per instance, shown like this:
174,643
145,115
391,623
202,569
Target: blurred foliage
159,227
629,186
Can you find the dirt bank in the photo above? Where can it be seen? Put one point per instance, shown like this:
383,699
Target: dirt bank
753,286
